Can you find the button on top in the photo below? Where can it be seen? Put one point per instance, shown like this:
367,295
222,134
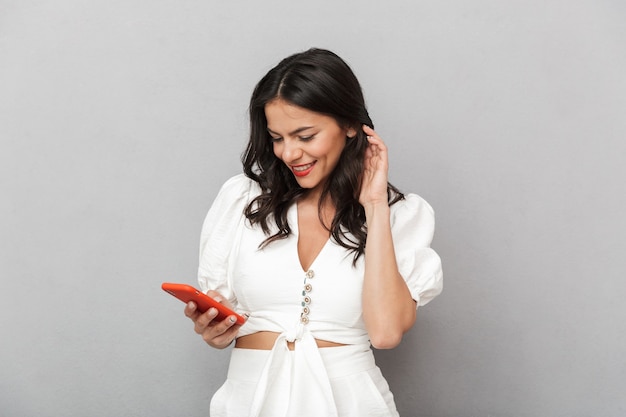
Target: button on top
306,300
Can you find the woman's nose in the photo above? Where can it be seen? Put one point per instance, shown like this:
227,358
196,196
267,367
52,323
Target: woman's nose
291,151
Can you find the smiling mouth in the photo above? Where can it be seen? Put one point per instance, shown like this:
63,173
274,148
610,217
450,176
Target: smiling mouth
302,170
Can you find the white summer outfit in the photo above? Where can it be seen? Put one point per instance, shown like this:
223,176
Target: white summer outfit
322,303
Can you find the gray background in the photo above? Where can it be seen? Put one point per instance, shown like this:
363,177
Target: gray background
119,120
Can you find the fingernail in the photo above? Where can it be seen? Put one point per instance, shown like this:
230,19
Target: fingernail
213,311
232,319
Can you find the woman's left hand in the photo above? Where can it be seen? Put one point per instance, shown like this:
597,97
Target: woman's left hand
375,169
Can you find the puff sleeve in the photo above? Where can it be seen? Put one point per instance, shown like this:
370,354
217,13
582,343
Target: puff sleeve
412,229
219,237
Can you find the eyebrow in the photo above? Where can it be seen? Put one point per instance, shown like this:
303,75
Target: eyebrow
295,132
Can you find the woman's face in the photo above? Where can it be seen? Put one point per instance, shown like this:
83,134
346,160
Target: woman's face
309,143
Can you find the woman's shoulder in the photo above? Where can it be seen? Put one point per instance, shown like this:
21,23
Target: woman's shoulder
227,209
412,205
238,188
238,184
413,220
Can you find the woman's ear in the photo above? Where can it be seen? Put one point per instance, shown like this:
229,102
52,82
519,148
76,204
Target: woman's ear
351,133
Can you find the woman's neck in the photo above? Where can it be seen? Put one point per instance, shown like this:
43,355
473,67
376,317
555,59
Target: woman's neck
310,202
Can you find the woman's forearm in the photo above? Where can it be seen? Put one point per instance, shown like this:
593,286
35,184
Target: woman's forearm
388,308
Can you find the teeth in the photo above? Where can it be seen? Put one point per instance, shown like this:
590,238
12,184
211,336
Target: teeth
302,167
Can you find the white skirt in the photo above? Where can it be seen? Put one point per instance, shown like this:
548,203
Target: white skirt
351,385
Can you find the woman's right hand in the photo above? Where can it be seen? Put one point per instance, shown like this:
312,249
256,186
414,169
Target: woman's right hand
218,334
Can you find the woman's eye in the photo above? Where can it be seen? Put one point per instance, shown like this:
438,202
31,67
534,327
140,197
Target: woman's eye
274,140
306,138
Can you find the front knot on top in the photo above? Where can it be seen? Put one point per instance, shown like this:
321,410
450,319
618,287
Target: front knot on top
295,333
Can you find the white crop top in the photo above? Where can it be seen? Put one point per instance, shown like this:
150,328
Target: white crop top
271,286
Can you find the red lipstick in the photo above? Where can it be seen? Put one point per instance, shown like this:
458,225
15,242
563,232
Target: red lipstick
302,170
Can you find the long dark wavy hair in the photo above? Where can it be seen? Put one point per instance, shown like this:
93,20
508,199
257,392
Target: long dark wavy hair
320,81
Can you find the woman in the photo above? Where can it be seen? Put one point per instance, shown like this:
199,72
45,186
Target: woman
313,242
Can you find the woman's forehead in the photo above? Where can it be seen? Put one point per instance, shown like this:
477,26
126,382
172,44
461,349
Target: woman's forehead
284,116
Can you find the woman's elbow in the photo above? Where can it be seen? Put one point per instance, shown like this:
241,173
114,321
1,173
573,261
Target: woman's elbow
389,336
389,340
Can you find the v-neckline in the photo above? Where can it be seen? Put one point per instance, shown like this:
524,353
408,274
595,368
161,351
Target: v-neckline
296,229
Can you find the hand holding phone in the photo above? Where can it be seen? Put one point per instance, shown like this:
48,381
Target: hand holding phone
187,293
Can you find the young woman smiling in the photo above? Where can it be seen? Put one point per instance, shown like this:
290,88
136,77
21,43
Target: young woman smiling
313,243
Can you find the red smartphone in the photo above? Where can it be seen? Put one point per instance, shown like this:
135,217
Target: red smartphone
188,293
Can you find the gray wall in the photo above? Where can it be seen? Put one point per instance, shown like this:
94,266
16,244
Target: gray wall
120,119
